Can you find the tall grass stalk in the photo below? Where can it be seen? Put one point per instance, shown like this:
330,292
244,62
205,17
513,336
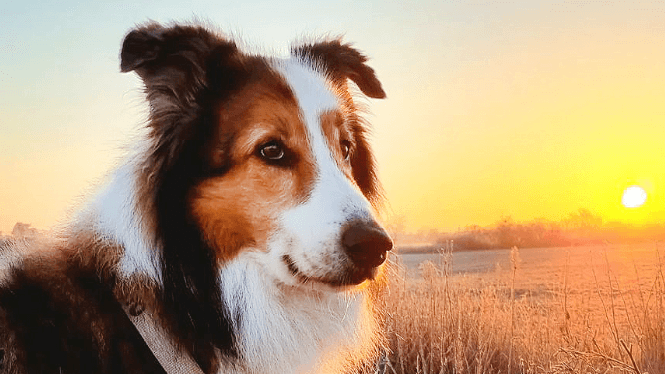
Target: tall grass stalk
514,262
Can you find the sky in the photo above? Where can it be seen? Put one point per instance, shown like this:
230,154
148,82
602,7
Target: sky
521,109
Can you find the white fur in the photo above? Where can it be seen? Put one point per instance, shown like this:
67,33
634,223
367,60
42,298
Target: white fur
290,330
117,217
310,233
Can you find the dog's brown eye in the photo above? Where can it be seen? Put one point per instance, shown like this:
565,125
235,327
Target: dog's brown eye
346,149
272,151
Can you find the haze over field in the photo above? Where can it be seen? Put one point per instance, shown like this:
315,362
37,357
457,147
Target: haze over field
525,109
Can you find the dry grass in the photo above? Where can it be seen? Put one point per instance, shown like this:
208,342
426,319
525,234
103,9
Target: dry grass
452,324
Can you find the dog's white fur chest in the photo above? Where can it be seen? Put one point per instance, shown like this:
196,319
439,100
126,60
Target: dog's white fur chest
283,329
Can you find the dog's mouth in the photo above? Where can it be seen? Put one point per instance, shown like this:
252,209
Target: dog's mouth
351,277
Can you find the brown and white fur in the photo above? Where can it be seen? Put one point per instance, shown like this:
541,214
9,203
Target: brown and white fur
243,224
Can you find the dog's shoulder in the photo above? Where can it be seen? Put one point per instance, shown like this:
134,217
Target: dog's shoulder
58,314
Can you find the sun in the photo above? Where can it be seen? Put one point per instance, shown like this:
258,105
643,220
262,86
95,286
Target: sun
634,197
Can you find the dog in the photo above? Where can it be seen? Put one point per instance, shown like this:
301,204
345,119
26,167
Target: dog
238,236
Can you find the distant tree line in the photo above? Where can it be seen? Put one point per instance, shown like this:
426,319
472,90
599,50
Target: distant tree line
579,228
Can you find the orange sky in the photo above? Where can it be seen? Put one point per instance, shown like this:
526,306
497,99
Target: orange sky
538,132
528,109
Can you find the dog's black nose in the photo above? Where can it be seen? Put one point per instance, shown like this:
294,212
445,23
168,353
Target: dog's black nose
366,244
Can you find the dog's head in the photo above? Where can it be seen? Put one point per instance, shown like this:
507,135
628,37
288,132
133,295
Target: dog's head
260,157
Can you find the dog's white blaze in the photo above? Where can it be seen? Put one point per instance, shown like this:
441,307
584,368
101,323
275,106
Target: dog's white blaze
118,218
314,228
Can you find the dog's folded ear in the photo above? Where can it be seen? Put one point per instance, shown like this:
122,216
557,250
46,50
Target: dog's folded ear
341,62
174,61
141,46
